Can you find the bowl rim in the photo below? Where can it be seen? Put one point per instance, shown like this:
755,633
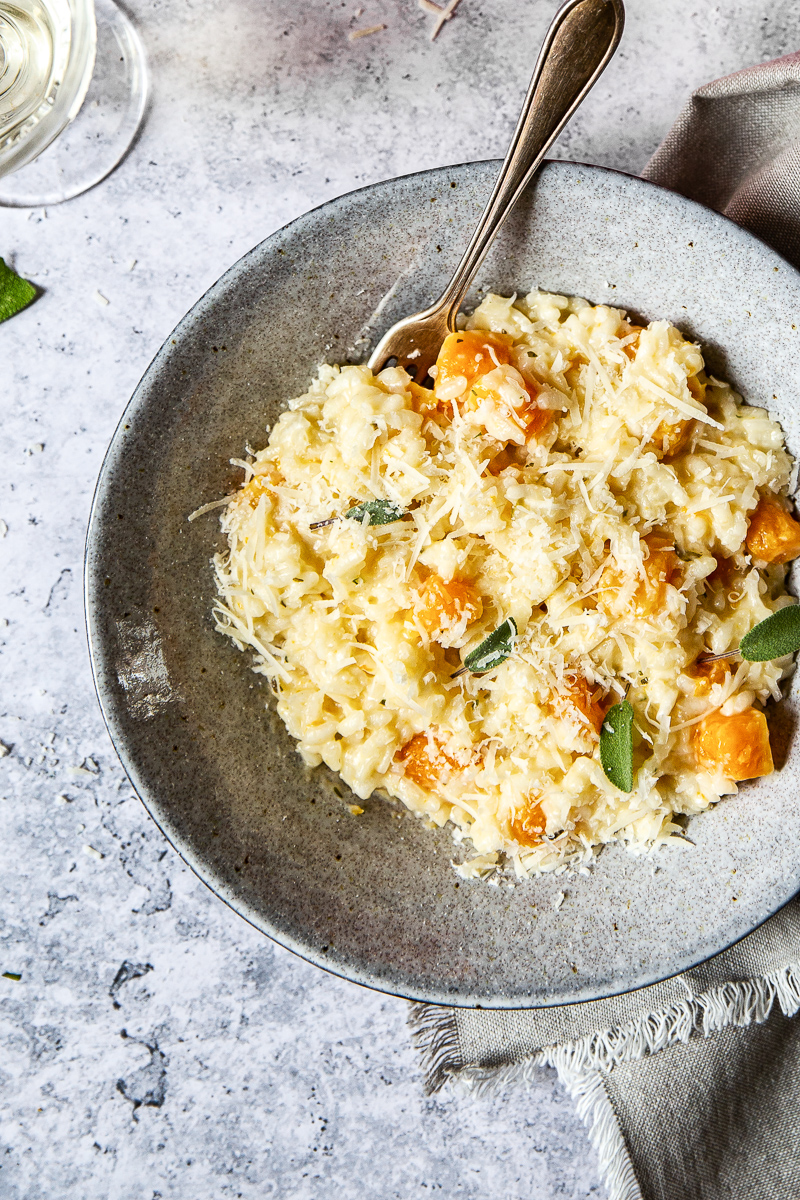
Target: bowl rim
359,976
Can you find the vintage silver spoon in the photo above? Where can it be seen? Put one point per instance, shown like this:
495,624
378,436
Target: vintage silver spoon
579,44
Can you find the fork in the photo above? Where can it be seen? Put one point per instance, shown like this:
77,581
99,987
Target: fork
579,45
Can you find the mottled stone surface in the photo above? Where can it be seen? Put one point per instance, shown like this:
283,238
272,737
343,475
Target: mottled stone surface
241,1071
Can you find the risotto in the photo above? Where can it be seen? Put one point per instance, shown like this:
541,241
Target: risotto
574,488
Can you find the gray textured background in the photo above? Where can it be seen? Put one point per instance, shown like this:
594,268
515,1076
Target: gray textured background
156,1046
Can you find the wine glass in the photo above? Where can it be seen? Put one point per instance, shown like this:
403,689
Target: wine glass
73,93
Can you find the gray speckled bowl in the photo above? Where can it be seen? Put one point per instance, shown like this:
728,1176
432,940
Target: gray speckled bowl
374,898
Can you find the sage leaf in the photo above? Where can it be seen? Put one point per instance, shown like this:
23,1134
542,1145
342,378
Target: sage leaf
616,746
380,512
777,635
15,293
494,649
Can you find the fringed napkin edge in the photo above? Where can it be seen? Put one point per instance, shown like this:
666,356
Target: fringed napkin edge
580,1064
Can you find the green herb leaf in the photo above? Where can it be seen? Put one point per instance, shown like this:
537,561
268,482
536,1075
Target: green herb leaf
494,650
616,746
779,634
380,512
15,293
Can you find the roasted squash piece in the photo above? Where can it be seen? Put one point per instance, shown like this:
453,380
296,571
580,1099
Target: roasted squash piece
470,354
660,568
500,462
258,485
535,419
467,357
668,440
736,746
630,349
444,605
590,701
526,415
672,437
528,825
649,594
773,535
706,674
426,762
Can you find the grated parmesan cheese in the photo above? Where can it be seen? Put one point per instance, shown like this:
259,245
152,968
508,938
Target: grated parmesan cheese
360,33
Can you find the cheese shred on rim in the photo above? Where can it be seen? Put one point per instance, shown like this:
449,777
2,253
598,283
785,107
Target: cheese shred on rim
570,471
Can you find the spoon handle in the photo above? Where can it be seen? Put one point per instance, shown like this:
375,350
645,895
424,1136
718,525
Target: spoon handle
578,46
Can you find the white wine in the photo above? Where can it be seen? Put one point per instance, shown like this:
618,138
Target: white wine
34,47
46,60
71,101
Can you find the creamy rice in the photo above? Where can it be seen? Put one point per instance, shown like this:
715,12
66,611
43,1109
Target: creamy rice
595,486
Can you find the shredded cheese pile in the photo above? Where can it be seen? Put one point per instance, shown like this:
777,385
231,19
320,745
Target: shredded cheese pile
590,482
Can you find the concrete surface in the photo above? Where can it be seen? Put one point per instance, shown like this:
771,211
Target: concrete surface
156,1046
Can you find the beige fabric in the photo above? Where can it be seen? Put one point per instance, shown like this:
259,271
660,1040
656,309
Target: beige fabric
690,1087
736,148
717,1118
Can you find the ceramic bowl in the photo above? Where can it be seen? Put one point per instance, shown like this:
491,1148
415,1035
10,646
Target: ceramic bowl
372,897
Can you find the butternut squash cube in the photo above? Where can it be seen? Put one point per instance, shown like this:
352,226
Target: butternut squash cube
500,461
250,493
591,702
426,762
630,349
527,418
736,746
697,385
466,358
528,824
668,440
470,354
446,607
649,594
707,674
773,535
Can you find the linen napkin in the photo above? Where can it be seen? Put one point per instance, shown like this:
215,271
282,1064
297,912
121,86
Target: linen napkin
690,1088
